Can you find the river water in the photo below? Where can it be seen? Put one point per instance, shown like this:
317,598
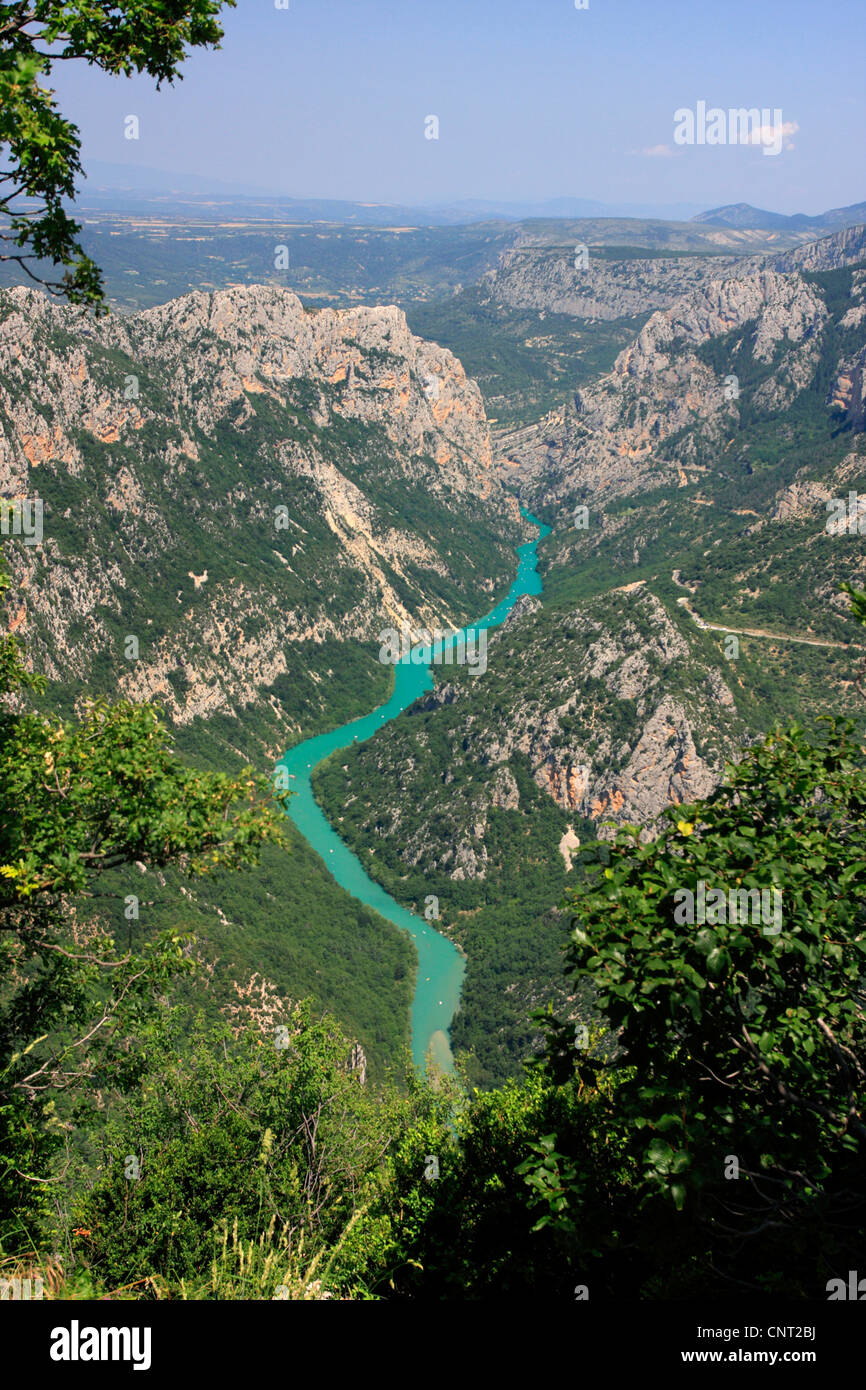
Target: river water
440,965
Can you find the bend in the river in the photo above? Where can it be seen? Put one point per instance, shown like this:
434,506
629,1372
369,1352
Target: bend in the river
440,964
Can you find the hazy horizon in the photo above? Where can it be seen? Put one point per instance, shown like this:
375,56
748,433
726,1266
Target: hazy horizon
333,101
118,177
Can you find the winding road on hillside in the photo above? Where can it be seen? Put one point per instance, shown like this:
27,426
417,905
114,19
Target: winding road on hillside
685,603
760,632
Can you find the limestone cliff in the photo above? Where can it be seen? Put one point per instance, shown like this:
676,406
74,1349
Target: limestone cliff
233,481
672,397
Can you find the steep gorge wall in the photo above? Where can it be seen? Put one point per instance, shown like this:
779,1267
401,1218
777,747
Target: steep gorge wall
234,480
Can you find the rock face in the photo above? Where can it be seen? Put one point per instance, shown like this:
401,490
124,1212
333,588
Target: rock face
597,285
799,500
781,307
250,342
358,1062
848,391
829,253
242,343
672,387
610,708
664,769
602,288
219,476
628,646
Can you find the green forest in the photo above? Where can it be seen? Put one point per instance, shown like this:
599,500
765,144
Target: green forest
692,1128
207,1086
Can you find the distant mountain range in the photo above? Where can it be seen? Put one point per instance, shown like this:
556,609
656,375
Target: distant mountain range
744,215
131,188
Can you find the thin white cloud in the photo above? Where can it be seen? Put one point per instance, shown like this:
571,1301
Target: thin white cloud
658,152
770,134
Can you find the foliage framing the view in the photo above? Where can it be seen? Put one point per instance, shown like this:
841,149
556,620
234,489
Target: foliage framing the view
79,797
41,147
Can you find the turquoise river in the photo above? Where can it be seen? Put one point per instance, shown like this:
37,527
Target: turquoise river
440,964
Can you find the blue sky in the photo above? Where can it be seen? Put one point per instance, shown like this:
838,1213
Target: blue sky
535,99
